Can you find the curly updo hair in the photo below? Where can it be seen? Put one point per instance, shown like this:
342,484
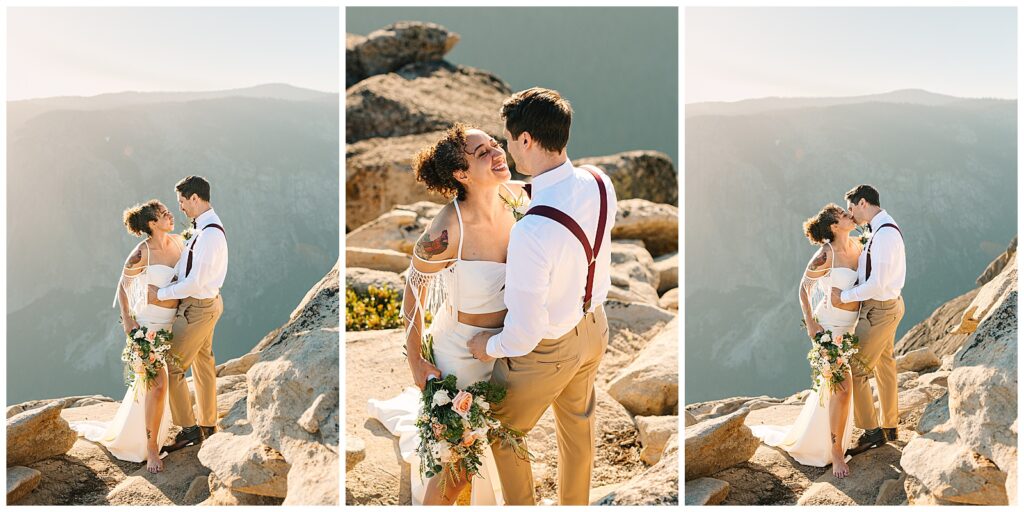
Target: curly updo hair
137,218
436,165
817,229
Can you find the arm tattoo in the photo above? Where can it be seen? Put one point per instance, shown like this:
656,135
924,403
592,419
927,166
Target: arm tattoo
135,259
819,260
833,438
427,248
149,435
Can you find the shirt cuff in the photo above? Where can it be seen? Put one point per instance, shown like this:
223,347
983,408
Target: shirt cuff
492,347
164,294
846,296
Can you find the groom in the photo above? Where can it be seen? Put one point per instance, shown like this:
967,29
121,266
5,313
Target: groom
881,270
200,274
556,281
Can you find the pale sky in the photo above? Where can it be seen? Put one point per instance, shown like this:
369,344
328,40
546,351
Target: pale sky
86,51
750,52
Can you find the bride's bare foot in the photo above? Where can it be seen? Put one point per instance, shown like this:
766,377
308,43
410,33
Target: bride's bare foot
839,467
153,462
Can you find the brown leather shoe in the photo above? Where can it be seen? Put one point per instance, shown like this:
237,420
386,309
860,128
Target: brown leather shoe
189,436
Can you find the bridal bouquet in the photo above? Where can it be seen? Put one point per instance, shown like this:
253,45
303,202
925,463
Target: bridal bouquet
456,425
145,353
830,359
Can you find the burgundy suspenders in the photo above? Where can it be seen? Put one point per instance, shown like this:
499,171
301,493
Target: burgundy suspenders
868,271
574,228
188,263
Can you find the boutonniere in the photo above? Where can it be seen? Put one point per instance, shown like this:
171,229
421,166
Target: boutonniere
864,236
187,234
517,205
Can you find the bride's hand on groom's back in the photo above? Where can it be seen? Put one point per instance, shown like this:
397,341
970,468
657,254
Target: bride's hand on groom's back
421,371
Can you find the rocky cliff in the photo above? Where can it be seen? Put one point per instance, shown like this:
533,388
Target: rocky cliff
277,439
404,94
957,432
393,113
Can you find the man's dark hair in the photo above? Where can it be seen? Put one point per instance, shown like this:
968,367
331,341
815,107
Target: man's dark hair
544,113
194,185
866,192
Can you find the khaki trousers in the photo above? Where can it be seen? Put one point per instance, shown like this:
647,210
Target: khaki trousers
559,373
876,329
193,346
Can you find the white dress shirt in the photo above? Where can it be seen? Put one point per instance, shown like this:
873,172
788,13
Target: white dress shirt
888,264
546,271
209,263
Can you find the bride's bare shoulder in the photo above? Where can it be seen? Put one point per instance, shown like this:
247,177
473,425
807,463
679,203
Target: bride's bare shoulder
138,257
819,262
440,240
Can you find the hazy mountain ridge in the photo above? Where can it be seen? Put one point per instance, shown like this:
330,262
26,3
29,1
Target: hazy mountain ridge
947,173
20,111
273,165
769,104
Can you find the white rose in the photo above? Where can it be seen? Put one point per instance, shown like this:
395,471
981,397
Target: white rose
482,403
436,450
446,452
441,397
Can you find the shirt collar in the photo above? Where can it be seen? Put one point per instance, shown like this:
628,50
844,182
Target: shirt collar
206,218
553,176
880,218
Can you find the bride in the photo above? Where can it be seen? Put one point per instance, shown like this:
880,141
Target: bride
143,418
821,434
458,276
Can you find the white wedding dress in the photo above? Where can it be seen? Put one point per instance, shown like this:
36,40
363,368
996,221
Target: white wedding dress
808,439
467,286
125,435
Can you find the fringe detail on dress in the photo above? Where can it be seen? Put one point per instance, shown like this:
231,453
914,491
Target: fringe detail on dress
133,289
433,292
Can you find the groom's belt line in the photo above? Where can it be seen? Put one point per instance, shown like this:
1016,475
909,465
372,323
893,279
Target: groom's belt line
873,302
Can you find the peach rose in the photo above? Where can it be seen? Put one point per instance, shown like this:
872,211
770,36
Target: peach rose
151,335
468,438
438,430
462,403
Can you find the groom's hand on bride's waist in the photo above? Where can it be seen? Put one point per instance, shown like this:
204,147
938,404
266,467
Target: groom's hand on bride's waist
151,296
478,345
